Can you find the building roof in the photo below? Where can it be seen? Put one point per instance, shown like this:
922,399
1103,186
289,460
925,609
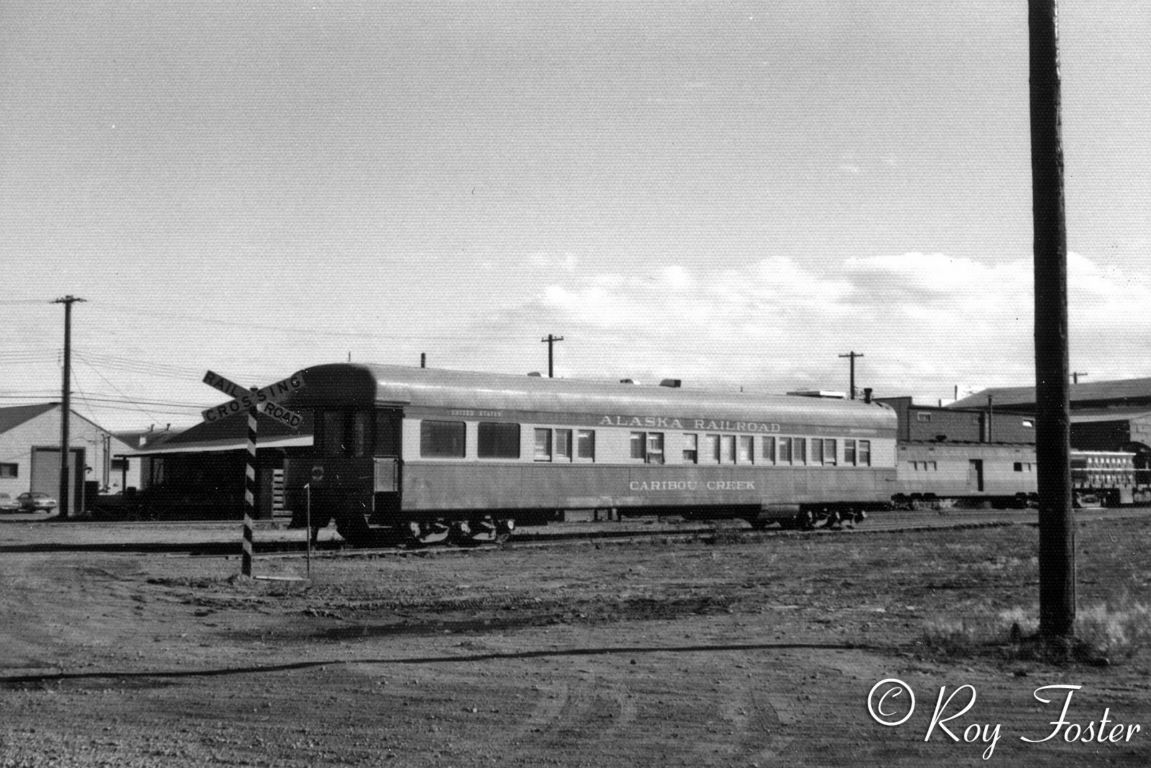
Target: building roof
1117,391
231,434
15,415
139,438
1094,415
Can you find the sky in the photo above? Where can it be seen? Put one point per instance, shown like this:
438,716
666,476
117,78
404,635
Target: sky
730,193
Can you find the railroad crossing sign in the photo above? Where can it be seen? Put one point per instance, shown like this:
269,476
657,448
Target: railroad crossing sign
252,400
266,399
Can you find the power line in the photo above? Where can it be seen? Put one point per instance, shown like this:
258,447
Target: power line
152,416
309,331
102,400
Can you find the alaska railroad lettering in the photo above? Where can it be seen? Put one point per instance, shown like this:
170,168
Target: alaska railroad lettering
664,422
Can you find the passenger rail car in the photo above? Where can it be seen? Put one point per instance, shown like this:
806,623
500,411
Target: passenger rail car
414,453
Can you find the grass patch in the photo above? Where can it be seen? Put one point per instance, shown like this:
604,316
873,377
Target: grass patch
1105,633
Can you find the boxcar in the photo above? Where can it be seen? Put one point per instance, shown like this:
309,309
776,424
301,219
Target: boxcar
934,473
418,453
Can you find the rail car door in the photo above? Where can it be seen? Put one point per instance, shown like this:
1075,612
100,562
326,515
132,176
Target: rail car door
975,475
387,464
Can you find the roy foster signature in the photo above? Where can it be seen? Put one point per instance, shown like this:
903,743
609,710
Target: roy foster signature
891,703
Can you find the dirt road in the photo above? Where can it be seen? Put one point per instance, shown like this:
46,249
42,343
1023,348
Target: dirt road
731,654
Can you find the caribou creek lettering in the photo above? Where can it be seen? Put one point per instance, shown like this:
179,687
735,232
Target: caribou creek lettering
691,485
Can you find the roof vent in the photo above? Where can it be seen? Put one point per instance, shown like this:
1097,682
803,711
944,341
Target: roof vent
673,383
536,374
628,381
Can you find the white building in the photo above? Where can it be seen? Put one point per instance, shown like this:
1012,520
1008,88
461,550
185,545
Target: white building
30,454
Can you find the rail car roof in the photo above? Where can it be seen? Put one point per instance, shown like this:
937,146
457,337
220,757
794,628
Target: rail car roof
368,384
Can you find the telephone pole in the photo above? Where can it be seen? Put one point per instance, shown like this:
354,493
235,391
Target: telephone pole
851,356
66,405
1052,359
550,341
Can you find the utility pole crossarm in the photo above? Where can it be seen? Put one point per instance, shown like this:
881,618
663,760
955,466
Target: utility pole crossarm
851,356
550,341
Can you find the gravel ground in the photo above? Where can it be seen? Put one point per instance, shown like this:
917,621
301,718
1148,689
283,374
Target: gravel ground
735,653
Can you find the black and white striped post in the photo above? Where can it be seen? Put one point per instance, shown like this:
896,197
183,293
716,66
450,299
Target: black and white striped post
250,487
254,400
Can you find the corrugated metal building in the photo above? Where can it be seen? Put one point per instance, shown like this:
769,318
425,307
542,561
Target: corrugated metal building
1105,415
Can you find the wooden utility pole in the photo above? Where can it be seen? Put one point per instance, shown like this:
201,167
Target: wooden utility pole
550,341
851,356
1052,360
65,407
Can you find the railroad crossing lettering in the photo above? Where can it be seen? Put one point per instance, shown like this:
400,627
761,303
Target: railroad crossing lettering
244,398
280,414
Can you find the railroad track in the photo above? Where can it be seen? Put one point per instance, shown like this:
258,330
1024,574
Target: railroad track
603,534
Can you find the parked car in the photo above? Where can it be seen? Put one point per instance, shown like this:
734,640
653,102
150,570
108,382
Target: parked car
34,501
8,504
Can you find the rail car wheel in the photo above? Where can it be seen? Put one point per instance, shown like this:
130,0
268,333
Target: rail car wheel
804,521
504,530
421,534
460,533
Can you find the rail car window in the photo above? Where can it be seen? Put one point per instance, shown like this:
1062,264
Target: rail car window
746,449
727,449
331,437
830,451
387,433
637,444
817,451
769,450
361,429
784,450
799,450
564,444
442,439
345,432
849,452
585,444
543,445
654,448
647,447
710,453
690,449
863,457
496,440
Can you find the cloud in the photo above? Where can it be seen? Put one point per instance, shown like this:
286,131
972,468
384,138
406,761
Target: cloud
566,261
924,322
